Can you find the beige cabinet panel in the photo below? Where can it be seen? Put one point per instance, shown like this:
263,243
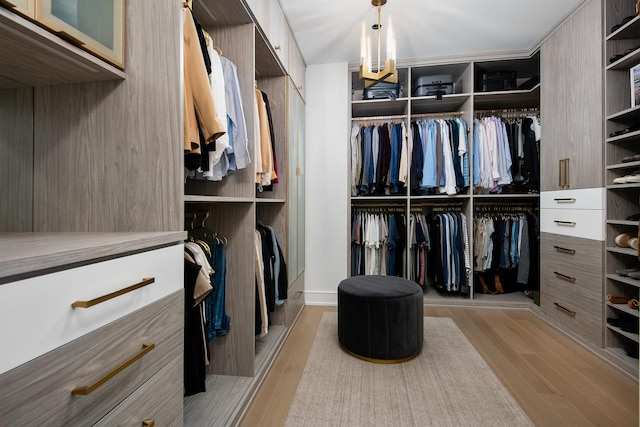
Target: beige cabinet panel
279,33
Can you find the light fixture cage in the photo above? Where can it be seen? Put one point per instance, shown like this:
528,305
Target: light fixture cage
388,74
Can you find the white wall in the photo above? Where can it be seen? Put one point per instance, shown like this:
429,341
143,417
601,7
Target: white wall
327,160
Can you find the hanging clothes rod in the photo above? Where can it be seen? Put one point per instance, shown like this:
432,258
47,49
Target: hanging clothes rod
379,118
376,205
509,112
450,114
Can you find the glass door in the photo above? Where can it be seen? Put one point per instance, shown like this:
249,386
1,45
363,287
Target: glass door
95,25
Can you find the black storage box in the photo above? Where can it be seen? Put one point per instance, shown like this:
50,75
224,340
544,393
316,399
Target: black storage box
441,84
382,91
498,80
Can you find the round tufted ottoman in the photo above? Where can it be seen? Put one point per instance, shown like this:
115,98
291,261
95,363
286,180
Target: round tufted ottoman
380,318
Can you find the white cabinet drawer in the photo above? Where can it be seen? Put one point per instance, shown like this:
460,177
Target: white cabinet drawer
41,306
587,198
584,223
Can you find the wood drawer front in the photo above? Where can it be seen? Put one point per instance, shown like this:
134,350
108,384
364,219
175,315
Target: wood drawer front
587,320
584,223
587,198
573,256
295,300
39,393
41,308
160,399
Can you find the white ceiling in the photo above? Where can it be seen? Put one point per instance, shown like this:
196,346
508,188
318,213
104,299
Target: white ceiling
329,30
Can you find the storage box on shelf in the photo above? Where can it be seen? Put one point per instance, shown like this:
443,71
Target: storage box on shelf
622,158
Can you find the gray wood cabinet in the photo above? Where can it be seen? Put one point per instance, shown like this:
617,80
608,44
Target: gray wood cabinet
571,97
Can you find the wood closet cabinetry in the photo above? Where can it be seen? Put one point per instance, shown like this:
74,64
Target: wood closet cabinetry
621,37
572,198
87,151
239,361
571,97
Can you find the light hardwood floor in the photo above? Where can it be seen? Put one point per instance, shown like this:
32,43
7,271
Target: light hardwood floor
555,380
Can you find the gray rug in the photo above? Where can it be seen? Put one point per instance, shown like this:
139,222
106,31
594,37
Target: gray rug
448,384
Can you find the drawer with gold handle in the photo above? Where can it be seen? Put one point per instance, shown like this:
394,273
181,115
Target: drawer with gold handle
95,301
86,390
61,300
80,382
159,401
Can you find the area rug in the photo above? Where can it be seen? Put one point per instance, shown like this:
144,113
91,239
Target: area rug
448,384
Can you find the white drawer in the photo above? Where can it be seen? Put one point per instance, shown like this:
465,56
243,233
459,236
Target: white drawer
587,198
584,223
40,307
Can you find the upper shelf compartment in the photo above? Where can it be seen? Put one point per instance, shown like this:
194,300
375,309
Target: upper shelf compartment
31,55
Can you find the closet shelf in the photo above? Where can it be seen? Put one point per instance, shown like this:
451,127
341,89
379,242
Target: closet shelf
379,107
626,138
623,251
212,12
507,99
631,336
29,254
35,57
624,308
629,116
620,354
429,104
630,30
624,64
441,197
266,200
629,165
623,279
622,222
622,186
194,198
505,196
379,199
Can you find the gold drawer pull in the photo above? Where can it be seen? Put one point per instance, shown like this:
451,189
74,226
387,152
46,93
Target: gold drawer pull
86,304
565,277
277,47
85,390
566,200
561,249
571,223
148,423
565,309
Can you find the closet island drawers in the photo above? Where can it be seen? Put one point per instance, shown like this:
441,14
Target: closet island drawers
80,382
41,307
577,213
571,283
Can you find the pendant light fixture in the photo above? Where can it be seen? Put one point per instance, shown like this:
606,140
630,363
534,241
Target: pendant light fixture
388,74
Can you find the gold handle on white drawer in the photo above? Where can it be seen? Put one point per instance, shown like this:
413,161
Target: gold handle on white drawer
86,304
565,250
565,309
565,277
148,423
571,223
566,200
85,390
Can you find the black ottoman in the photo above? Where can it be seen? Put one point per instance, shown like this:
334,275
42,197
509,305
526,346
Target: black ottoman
380,318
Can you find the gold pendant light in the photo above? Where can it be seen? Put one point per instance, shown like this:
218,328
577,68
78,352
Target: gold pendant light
389,73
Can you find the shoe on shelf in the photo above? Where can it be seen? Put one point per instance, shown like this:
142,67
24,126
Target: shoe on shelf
633,243
613,299
622,240
625,271
634,158
634,274
633,177
633,304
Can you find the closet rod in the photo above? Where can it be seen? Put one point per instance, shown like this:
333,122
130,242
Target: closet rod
373,118
450,114
194,215
509,111
377,205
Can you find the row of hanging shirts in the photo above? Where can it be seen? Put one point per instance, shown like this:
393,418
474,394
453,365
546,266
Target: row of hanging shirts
505,156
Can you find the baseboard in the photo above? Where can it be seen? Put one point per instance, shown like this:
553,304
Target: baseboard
321,298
